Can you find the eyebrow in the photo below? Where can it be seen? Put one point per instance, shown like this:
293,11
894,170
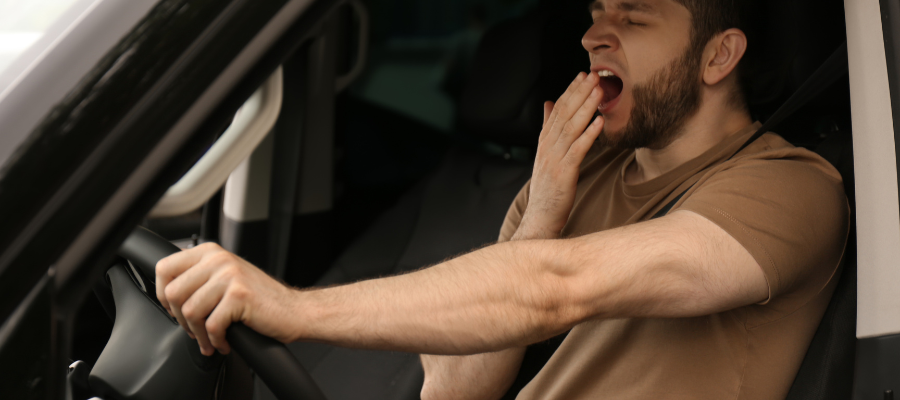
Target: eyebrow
627,6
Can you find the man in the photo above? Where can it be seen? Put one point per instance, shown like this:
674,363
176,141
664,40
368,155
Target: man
718,299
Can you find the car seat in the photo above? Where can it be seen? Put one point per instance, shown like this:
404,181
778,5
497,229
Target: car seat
827,369
800,36
460,207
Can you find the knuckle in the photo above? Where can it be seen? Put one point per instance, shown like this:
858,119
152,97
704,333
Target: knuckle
163,266
189,312
173,295
214,329
239,292
230,272
209,246
221,257
567,128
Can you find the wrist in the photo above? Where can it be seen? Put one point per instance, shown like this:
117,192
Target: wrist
531,230
304,315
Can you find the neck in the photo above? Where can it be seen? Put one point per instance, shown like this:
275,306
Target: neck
708,127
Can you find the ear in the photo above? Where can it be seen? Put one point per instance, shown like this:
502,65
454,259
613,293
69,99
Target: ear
723,53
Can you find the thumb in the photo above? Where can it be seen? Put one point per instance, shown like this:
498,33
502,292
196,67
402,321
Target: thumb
548,109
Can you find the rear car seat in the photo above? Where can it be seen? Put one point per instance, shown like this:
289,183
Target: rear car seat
519,64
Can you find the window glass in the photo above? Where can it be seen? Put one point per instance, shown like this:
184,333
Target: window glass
23,23
421,51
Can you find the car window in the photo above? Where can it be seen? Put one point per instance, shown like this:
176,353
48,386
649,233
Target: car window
29,27
421,51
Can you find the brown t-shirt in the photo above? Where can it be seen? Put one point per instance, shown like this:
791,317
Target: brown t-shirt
785,205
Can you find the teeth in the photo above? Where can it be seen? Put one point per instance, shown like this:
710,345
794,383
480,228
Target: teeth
605,73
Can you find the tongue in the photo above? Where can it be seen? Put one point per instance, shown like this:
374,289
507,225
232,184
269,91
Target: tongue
612,88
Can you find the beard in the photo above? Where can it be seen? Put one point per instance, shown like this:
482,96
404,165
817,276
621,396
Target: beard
662,105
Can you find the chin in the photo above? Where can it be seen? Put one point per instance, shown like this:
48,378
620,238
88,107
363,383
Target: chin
610,137
613,127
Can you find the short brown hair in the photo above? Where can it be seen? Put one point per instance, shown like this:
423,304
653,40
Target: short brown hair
711,17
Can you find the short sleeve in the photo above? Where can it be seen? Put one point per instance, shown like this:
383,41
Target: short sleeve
514,215
791,214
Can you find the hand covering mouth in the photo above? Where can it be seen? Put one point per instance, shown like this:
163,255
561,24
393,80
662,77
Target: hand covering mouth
612,86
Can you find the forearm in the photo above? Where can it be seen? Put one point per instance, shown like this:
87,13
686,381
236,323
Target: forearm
485,376
477,377
496,298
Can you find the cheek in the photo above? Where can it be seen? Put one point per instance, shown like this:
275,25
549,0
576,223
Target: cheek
649,62
651,52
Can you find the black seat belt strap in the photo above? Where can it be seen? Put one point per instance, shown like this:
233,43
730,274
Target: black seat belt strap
665,210
832,69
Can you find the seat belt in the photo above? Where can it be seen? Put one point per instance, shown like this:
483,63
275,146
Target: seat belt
833,68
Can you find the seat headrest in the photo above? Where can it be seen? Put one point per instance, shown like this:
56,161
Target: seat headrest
520,64
789,40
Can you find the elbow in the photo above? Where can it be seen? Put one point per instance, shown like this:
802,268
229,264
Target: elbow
566,295
572,292
430,391
567,307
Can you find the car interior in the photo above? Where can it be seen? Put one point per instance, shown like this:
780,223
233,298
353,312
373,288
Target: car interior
430,145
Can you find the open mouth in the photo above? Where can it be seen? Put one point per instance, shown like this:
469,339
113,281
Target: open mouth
612,87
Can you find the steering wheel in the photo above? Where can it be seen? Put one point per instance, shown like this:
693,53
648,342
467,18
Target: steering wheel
148,354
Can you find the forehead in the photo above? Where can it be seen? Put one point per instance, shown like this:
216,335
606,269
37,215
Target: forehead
654,7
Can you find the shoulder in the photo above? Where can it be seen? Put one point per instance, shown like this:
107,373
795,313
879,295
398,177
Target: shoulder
786,205
775,163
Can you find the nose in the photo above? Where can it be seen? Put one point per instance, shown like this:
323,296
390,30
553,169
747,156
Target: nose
599,38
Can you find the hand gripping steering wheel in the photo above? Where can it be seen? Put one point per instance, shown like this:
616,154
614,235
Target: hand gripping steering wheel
149,356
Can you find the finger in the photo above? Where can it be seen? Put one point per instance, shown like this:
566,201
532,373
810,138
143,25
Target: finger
564,110
171,267
548,109
220,319
583,144
551,117
576,83
176,312
575,127
179,290
199,307
575,96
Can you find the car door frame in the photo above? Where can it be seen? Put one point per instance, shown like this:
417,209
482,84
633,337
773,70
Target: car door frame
101,159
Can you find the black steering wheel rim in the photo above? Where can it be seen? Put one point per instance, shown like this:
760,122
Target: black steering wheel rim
270,359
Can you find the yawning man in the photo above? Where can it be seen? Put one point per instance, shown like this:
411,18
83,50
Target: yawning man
716,299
